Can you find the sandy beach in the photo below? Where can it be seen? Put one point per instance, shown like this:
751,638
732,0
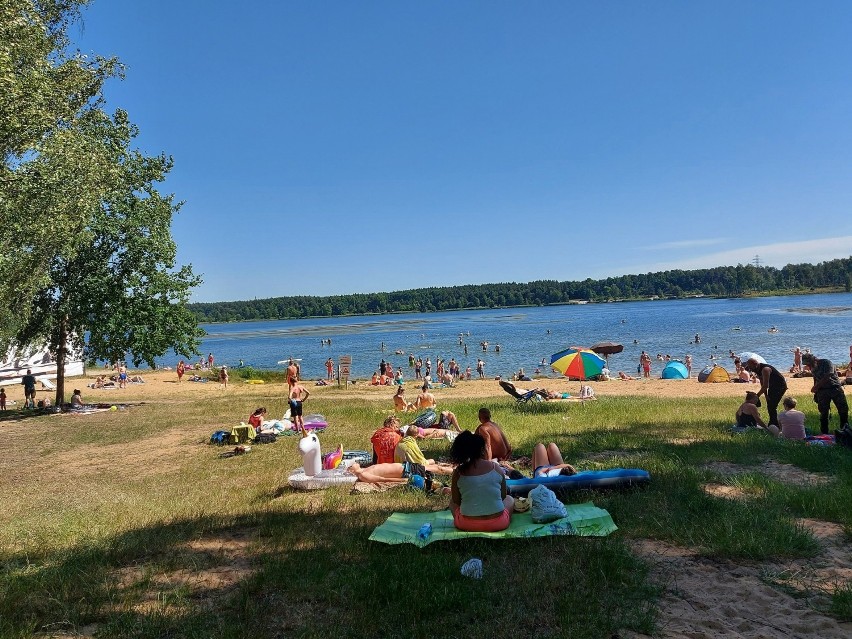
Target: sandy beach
163,385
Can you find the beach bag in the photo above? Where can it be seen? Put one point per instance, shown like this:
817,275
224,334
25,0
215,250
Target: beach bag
220,437
545,506
265,438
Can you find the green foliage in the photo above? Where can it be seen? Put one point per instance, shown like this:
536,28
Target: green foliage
841,602
720,281
247,372
46,92
85,240
116,279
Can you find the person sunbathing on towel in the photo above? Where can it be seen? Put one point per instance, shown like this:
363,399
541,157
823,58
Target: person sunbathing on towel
448,420
623,375
546,394
548,462
429,433
394,472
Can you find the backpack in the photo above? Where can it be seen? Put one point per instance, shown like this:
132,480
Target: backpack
220,437
265,438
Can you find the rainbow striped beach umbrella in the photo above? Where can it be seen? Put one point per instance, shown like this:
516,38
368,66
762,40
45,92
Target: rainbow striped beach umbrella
577,363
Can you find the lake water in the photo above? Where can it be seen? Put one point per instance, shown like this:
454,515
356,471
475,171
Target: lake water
822,323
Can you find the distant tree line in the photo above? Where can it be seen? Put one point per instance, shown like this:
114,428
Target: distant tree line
722,281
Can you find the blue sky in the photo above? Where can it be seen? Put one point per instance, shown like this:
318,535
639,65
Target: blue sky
343,147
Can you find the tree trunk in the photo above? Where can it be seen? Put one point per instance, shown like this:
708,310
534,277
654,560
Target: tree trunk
61,356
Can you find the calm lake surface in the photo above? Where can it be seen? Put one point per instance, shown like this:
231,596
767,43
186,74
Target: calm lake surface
822,323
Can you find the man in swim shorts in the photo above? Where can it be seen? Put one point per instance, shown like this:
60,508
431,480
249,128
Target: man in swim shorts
298,395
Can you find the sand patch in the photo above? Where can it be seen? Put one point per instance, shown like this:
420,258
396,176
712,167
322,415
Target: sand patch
218,564
724,491
706,598
785,473
816,579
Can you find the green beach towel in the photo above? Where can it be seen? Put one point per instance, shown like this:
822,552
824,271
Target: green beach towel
583,520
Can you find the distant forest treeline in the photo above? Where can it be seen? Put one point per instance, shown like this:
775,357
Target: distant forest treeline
722,281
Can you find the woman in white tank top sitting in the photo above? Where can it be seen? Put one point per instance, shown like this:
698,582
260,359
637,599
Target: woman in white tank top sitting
479,499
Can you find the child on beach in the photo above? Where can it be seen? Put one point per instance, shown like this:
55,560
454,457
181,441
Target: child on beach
2,399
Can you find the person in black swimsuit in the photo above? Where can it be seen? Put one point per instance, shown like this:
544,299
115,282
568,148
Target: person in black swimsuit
747,413
772,386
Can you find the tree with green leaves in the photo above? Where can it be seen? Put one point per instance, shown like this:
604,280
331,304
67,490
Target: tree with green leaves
45,90
117,291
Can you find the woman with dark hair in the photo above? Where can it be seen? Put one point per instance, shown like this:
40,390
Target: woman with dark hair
257,417
773,386
479,499
747,414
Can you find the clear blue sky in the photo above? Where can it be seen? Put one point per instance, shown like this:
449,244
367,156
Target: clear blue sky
342,147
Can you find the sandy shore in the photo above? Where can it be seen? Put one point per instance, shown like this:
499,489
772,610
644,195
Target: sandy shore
163,385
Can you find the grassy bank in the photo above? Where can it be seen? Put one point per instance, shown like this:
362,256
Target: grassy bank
128,524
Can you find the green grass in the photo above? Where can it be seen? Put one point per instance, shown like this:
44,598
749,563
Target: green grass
110,521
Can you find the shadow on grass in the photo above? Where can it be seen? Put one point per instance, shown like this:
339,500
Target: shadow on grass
23,414
315,574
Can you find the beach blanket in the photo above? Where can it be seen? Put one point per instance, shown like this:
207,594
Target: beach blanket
820,440
583,520
90,409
